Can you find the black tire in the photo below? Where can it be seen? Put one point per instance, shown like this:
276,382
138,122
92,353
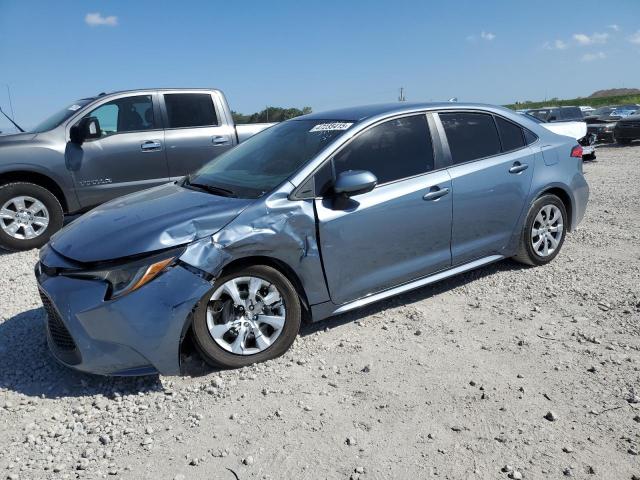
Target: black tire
48,199
215,355
526,253
623,141
589,158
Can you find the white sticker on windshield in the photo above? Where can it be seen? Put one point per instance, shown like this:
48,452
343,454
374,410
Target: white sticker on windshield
326,127
73,108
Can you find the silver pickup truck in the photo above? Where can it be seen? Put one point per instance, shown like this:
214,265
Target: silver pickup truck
102,147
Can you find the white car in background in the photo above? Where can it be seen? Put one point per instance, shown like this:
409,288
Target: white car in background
573,129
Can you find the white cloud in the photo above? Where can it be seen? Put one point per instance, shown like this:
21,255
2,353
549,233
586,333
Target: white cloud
614,27
584,39
97,19
487,35
635,38
590,57
556,45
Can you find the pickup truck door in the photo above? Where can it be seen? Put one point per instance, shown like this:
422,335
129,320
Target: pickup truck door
127,156
196,130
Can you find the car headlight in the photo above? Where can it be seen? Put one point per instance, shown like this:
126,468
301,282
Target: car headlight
124,278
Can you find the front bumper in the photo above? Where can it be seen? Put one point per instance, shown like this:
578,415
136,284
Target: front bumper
137,334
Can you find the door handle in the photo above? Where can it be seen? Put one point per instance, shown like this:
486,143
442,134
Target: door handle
150,146
518,167
435,193
220,140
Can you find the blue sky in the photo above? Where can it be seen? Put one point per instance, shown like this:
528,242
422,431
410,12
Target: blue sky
324,54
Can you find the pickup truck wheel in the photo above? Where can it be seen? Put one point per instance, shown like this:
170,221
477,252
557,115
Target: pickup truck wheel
543,232
29,215
253,315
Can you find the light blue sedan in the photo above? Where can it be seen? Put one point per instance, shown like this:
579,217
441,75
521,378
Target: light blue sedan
313,217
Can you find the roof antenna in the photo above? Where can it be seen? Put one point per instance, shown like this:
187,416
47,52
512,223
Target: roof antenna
11,120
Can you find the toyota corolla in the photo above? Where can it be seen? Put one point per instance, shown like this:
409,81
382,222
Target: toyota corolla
311,218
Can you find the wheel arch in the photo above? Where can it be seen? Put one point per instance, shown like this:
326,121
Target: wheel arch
36,178
566,199
281,267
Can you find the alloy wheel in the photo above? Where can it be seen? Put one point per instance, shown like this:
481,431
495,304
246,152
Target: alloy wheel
24,217
547,230
246,315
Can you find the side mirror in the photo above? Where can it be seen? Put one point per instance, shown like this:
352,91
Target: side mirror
354,182
85,129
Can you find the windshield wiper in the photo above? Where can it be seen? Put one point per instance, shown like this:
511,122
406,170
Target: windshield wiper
224,192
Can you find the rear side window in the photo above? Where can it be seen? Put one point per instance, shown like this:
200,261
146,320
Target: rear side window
572,113
395,149
510,135
470,135
190,110
529,136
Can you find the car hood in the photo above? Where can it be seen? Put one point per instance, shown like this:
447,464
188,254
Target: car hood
154,219
16,137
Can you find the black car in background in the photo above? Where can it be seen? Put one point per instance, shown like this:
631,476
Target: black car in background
627,129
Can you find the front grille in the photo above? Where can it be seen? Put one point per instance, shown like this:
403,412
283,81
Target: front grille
58,333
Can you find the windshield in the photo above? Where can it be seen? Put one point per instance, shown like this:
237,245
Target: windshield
57,118
265,160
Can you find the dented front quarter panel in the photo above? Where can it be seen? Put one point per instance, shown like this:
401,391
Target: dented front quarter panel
277,228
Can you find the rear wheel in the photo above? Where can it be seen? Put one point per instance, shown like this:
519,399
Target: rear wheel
543,232
29,215
253,315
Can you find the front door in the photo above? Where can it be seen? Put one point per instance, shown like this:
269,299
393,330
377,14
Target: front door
396,233
195,133
491,177
128,155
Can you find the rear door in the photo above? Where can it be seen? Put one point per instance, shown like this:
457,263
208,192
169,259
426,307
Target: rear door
491,173
195,131
129,154
398,232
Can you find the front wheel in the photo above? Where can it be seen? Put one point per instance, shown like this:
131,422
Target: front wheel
29,215
543,232
253,315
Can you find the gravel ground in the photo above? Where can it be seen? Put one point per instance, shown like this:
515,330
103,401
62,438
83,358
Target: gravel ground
505,372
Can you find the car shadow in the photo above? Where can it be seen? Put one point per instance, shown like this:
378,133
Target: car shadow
27,367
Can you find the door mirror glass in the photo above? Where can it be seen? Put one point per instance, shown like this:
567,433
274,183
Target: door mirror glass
354,182
86,129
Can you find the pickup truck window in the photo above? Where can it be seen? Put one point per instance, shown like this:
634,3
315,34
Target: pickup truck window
57,118
265,160
190,110
128,114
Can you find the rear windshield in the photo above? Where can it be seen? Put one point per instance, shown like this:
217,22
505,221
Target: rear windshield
57,118
265,160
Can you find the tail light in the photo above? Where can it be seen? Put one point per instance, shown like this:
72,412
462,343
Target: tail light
576,151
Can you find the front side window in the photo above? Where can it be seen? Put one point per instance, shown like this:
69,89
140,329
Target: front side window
264,161
471,135
510,134
393,150
190,110
128,114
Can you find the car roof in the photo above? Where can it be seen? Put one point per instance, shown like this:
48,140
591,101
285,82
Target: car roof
363,112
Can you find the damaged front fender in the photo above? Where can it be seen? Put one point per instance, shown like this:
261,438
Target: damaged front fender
279,229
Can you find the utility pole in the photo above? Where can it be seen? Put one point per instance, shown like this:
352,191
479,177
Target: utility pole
402,98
